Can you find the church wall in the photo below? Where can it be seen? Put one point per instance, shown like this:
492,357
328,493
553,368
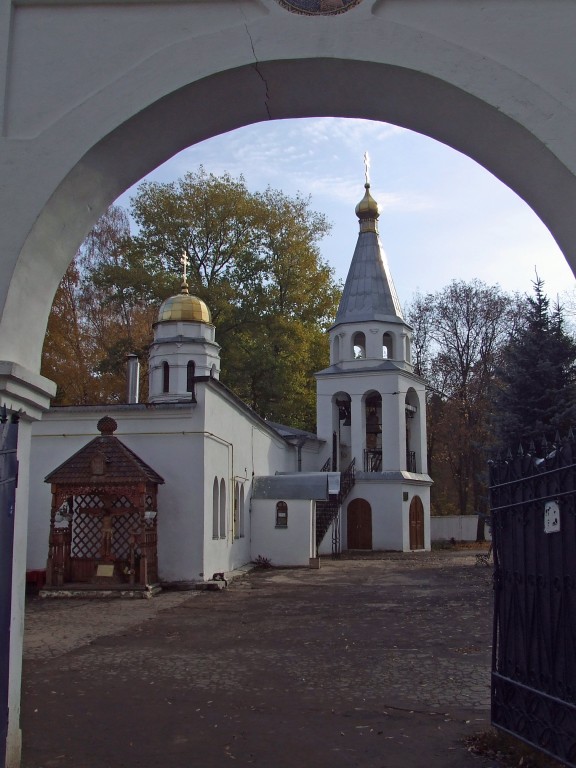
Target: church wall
189,445
390,513
290,545
237,449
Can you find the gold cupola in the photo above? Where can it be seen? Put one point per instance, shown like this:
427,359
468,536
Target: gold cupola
184,308
367,211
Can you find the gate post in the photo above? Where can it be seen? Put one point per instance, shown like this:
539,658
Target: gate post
27,394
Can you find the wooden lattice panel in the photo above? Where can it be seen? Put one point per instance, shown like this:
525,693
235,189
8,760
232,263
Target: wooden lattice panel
122,527
86,534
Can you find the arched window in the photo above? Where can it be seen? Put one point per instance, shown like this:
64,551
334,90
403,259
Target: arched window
190,373
165,377
222,509
359,345
215,508
281,515
387,347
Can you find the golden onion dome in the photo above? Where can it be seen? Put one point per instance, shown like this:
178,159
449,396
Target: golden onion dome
185,308
367,208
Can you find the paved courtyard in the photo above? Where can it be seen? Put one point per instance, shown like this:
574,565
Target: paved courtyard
379,662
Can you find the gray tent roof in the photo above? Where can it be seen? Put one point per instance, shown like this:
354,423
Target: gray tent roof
302,485
369,292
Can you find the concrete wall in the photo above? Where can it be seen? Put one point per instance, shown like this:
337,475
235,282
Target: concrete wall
293,545
459,527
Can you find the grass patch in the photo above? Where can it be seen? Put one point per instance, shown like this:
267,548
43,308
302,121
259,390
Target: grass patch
508,751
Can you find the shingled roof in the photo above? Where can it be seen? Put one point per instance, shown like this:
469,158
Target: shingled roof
105,460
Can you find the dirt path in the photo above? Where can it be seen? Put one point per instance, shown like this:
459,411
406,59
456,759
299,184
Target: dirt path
375,663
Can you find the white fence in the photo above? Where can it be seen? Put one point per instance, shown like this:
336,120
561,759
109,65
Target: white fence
458,527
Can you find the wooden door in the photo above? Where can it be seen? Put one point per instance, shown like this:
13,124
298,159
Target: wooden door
416,523
359,518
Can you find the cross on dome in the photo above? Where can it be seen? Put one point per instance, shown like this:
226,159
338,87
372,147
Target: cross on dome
185,261
367,167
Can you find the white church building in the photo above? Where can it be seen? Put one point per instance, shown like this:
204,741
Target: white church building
236,487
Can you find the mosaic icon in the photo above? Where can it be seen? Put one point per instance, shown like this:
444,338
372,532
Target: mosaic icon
318,7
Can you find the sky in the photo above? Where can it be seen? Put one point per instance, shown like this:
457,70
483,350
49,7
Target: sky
442,216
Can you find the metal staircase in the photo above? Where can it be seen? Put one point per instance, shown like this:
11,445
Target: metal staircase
327,511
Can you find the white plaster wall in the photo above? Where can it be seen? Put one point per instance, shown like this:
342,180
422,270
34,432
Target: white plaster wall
293,545
172,443
393,387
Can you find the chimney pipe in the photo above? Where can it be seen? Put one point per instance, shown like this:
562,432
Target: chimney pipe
133,378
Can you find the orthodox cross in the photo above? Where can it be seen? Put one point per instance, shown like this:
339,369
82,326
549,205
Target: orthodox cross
184,261
367,167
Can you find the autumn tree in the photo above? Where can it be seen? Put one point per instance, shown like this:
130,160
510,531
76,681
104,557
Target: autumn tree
459,334
254,260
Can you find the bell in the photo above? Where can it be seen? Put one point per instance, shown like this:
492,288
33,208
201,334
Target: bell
372,424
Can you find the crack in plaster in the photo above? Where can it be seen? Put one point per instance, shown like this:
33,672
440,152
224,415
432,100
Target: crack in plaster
259,73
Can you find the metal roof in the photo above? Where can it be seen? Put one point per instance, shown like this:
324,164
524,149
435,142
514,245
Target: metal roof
297,486
369,292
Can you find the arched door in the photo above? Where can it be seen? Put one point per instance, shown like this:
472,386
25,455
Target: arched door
359,527
416,523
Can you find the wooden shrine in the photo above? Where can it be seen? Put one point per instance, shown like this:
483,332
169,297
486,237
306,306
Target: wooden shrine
103,522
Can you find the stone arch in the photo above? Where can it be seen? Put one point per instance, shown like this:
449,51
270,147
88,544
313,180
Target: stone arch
155,119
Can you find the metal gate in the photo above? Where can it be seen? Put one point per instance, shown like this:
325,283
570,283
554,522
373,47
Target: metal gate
8,482
534,650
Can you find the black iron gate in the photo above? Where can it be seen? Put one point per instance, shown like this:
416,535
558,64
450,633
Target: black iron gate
534,652
8,481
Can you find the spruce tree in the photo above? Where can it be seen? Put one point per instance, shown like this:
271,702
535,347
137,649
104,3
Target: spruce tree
536,396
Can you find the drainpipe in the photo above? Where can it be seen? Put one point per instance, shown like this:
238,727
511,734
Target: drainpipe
133,379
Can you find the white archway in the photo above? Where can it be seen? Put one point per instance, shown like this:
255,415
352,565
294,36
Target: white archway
93,96
77,136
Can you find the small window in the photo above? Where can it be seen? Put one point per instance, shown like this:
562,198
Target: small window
165,377
215,508
359,346
281,515
190,373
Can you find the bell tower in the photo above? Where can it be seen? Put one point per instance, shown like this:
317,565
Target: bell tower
371,406
184,346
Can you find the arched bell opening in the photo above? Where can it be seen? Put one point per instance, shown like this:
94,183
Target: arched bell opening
359,346
373,432
341,431
387,346
413,432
